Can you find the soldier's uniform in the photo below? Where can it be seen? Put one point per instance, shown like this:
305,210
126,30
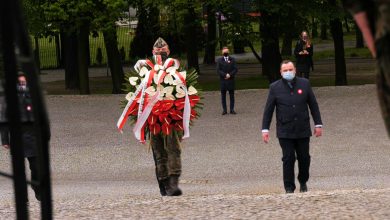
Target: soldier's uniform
378,12
166,149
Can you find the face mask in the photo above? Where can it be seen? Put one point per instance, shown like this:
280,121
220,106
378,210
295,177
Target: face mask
225,54
289,75
22,88
164,55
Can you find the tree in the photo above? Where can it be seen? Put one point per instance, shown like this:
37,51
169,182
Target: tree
191,30
337,34
211,35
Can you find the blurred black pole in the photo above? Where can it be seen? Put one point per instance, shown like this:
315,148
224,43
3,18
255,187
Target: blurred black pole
19,43
41,121
14,123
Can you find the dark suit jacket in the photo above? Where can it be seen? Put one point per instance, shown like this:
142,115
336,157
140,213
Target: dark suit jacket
28,135
292,114
223,68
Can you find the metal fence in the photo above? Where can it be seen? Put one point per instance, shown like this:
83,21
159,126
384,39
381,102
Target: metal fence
49,48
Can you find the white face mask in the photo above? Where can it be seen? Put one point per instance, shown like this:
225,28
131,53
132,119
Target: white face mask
289,75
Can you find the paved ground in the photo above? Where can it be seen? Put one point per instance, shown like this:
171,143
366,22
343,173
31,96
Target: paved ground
228,173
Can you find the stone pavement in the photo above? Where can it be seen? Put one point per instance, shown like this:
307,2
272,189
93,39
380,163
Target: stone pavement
228,173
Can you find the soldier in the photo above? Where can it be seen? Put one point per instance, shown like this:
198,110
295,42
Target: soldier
373,19
28,137
167,158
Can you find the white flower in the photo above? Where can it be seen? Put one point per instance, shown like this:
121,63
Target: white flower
133,80
129,95
143,71
168,79
180,93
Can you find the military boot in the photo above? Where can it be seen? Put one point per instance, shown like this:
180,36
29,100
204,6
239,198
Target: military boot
161,185
173,188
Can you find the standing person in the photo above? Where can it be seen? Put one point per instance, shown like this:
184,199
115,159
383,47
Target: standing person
227,69
28,137
292,96
304,55
167,158
373,19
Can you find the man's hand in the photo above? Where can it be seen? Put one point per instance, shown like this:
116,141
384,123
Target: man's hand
266,137
227,76
6,146
318,132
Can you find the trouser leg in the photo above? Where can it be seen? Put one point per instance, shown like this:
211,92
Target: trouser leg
223,99
160,183
231,95
161,157
303,156
34,176
383,71
288,159
174,156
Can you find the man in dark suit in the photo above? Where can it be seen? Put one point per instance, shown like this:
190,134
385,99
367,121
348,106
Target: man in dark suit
28,136
292,96
227,69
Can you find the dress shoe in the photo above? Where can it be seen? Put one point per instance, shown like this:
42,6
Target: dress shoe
163,192
224,113
303,188
233,112
289,191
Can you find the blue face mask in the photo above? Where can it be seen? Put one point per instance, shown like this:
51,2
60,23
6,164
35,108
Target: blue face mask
289,75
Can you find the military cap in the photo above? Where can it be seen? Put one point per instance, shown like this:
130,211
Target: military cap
160,43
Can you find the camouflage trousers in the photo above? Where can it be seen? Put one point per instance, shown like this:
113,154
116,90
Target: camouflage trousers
166,153
382,45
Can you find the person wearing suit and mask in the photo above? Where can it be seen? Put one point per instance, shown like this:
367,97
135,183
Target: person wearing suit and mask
28,136
227,70
304,55
293,97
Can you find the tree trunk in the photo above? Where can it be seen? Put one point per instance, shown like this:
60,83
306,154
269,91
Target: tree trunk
209,56
287,45
359,37
190,31
36,54
324,31
314,31
71,61
114,59
58,50
270,46
337,34
83,41
346,25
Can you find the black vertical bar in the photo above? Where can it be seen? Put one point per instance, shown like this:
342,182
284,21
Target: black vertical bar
41,121
20,185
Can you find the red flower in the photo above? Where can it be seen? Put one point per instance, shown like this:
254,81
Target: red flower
193,114
176,114
166,129
179,126
165,105
155,128
163,117
157,109
179,103
152,119
194,99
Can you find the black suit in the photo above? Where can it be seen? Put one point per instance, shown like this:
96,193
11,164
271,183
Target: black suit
292,100
227,67
303,61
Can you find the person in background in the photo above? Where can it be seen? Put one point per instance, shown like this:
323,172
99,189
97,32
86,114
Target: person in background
304,55
227,70
28,137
